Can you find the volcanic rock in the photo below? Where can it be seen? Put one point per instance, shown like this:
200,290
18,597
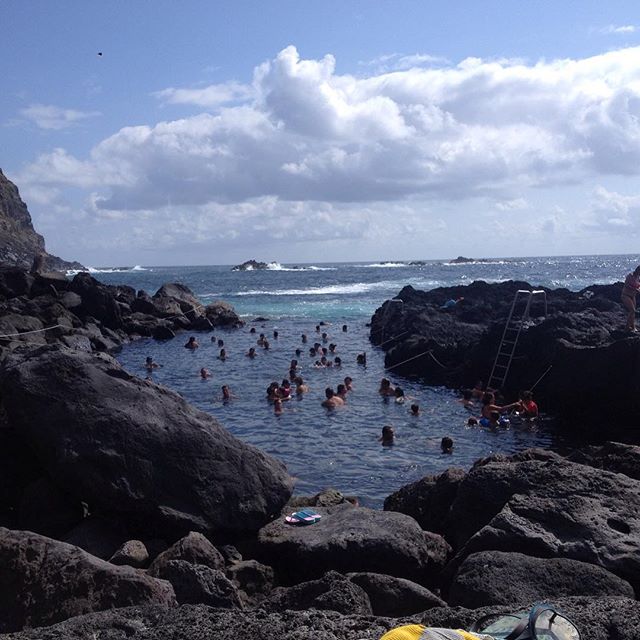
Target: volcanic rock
44,581
129,447
353,539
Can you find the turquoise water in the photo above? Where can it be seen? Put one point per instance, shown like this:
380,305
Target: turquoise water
338,448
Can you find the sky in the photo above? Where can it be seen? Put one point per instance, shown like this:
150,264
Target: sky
162,133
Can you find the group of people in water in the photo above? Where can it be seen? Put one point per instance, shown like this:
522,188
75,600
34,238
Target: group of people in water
492,414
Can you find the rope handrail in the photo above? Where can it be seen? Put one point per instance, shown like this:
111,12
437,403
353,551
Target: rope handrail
24,333
393,338
408,360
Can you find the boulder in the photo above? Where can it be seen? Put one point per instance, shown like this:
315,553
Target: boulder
12,325
97,301
46,510
552,509
253,578
193,548
44,581
14,282
395,597
176,293
612,456
132,553
222,314
333,591
98,536
197,584
133,449
428,500
495,577
349,539
163,332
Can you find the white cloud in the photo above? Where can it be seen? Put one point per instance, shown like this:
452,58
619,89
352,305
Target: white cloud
319,142
618,30
402,62
210,96
614,212
55,118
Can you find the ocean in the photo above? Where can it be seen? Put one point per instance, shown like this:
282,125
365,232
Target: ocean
339,448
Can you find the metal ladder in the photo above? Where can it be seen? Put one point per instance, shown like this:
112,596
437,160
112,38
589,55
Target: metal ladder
510,335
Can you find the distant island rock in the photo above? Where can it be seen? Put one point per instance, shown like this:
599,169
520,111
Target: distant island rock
19,242
251,265
463,260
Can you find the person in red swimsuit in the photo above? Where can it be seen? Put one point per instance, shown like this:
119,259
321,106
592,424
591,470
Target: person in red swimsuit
628,298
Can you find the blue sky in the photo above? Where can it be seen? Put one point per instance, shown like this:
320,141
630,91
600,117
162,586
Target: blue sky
212,132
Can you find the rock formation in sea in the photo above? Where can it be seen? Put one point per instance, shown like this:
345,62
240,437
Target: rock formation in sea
250,265
19,242
572,347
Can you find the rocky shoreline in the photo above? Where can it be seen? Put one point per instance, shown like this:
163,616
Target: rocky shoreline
125,512
573,349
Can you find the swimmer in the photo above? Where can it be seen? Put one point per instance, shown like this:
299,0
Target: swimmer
220,343
213,338
477,391
472,422
304,338
293,364
415,410
324,362
488,405
205,373
226,393
150,365
301,387
265,345
277,407
312,352
251,353
298,352
275,335
332,347
332,400
467,398
318,365
341,392
529,407
317,328
337,361
260,340
191,343
388,436
252,330
344,328
325,338
285,389
325,351
399,394
348,383
273,391
446,444
223,355
361,358
386,388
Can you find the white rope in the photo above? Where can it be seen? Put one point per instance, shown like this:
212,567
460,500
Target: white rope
393,338
184,313
542,376
436,359
409,360
24,333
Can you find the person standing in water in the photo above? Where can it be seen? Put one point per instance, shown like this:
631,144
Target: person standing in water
628,297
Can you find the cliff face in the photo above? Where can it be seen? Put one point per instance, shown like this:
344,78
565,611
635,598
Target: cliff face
19,242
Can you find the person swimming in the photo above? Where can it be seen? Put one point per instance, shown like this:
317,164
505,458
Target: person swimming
251,353
399,394
304,338
150,365
341,392
226,393
348,383
205,373
301,387
222,355
415,410
331,399
388,436
446,445
278,407
191,343
220,343
386,388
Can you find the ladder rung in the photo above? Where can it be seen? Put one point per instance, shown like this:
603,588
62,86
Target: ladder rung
501,366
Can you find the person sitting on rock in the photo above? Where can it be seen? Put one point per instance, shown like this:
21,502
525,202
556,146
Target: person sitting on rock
191,343
388,436
628,297
331,399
